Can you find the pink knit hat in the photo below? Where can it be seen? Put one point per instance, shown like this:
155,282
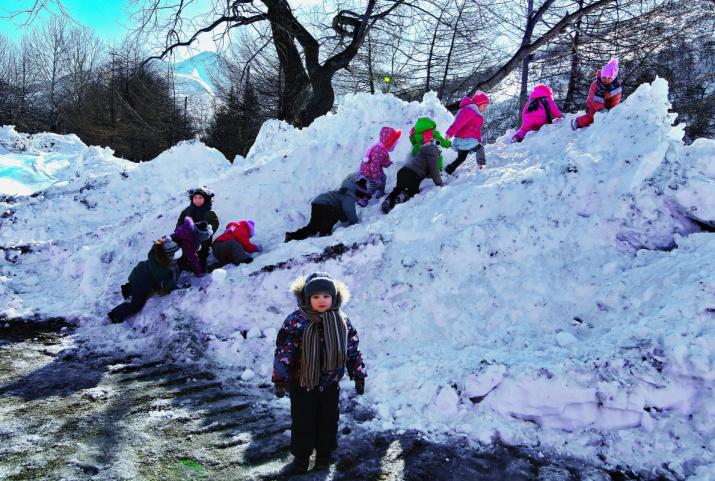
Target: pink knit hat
480,98
250,227
610,70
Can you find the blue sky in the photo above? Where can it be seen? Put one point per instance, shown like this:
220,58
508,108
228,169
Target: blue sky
104,16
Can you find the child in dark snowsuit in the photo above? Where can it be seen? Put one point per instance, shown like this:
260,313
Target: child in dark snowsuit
467,131
376,159
190,238
159,271
328,209
314,347
605,93
424,164
200,209
425,129
234,245
539,111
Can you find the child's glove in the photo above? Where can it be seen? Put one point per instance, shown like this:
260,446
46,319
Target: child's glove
360,386
259,248
280,389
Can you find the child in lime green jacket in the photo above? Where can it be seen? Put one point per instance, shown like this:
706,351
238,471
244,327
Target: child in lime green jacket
425,129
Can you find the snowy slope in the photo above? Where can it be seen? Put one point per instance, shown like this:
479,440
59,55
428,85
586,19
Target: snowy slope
563,298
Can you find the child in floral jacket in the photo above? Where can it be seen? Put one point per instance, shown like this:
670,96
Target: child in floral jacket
376,159
314,347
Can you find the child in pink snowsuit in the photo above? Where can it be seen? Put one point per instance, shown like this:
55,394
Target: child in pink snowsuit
605,93
467,131
376,159
539,111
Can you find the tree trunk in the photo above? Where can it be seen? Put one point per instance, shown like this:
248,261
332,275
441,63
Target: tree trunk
569,103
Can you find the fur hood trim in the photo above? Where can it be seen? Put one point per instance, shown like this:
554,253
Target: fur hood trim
298,289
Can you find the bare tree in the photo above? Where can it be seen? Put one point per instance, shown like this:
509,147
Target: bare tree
307,90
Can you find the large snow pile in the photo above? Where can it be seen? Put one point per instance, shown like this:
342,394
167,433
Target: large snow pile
560,298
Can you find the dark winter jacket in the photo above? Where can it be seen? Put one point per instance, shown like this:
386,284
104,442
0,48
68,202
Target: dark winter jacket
198,214
164,276
342,200
286,363
426,163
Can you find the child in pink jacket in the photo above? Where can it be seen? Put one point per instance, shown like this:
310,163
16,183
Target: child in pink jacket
376,159
467,130
540,110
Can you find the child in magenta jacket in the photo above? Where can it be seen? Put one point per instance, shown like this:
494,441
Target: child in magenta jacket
467,130
376,159
234,245
539,111
605,93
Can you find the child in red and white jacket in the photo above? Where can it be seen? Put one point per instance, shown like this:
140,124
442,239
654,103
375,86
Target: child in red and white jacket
376,159
605,93
467,131
234,245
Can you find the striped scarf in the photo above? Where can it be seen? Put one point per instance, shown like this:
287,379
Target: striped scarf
335,334
600,93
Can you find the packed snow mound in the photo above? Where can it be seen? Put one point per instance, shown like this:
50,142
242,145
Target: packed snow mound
562,297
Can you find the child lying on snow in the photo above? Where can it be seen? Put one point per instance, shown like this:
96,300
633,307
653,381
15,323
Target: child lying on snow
159,272
330,208
234,245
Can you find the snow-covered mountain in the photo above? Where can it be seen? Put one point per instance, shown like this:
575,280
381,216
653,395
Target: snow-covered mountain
561,299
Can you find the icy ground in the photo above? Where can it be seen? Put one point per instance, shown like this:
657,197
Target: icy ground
562,299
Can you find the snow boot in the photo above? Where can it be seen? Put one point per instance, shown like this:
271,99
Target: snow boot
322,461
379,193
401,197
300,465
113,317
289,237
126,291
386,206
574,124
362,202
212,267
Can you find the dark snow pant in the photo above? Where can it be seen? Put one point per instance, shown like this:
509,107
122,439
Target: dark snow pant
230,252
408,181
322,220
462,156
204,253
314,414
142,288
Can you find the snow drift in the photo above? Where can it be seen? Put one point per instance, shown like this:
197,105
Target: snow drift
560,299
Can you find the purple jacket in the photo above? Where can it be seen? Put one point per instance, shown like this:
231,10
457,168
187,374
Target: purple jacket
468,123
185,236
537,119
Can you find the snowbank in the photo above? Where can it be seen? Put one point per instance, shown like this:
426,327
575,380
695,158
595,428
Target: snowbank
562,297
